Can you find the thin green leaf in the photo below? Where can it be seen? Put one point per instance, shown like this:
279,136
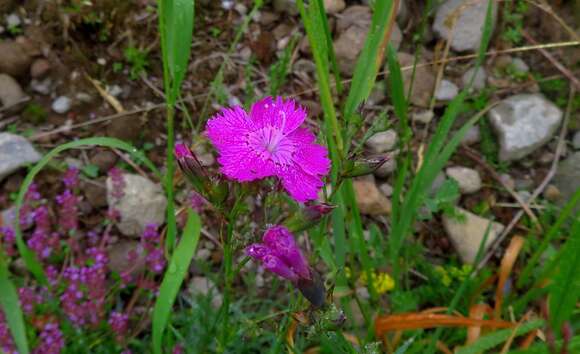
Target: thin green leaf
565,287
173,278
489,341
11,306
30,260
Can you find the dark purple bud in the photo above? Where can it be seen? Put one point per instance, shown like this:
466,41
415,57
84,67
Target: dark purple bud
190,166
313,289
315,212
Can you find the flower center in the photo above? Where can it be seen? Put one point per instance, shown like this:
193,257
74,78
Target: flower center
270,143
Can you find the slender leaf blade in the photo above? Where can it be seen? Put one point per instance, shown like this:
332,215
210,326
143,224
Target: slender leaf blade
173,278
11,306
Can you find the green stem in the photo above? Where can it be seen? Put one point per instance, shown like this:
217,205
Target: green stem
171,221
228,265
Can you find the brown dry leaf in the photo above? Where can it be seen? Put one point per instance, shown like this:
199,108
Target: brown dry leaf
507,263
477,311
415,320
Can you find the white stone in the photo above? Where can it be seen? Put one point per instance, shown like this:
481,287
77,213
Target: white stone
520,65
467,235
204,287
386,189
470,18
478,82
383,141
10,91
143,203
473,136
524,123
576,140
43,87
13,21
61,105
468,179
446,91
15,152
334,6
424,117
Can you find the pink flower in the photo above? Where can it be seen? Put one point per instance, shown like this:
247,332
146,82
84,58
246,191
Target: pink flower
269,142
279,254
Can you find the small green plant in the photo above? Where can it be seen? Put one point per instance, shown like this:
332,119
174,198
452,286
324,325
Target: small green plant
35,113
137,61
279,70
513,16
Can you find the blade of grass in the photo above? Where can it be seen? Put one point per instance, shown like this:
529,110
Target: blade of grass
487,342
371,57
173,278
330,47
30,260
176,29
565,287
11,307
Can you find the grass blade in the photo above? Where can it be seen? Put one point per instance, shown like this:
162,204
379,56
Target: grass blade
10,304
565,288
173,278
485,343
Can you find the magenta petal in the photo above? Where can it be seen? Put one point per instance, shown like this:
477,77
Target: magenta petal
276,265
181,151
257,251
282,243
300,185
313,159
283,114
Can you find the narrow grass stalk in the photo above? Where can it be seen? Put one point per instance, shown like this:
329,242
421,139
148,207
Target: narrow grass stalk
10,305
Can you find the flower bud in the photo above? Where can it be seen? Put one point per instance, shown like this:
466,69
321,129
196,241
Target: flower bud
191,167
364,167
309,216
313,289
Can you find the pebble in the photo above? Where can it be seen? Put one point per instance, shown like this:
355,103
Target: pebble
96,193
15,152
446,91
353,27
567,178
423,116
387,168
10,91
468,30
508,180
467,234
473,136
383,141
552,193
424,81
479,81
61,105
386,189
369,198
520,65
143,203
13,20
334,6
43,87
524,123
287,6
40,68
119,257
202,286
468,179
15,59
576,141
104,160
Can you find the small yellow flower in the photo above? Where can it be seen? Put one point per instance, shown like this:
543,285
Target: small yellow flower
382,282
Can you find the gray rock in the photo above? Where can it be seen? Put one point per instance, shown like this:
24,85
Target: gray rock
204,287
61,105
468,179
15,59
437,183
468,26
567,178
10,91
467,234
369,198
15,152
40,68
334,6
424,82
478,82
383,141
524,123
576,140
387,168
446,91
353,26
7,217
386,189
287,6
121,254
520,65
473,136
424,117
13,20
143,203
43,87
